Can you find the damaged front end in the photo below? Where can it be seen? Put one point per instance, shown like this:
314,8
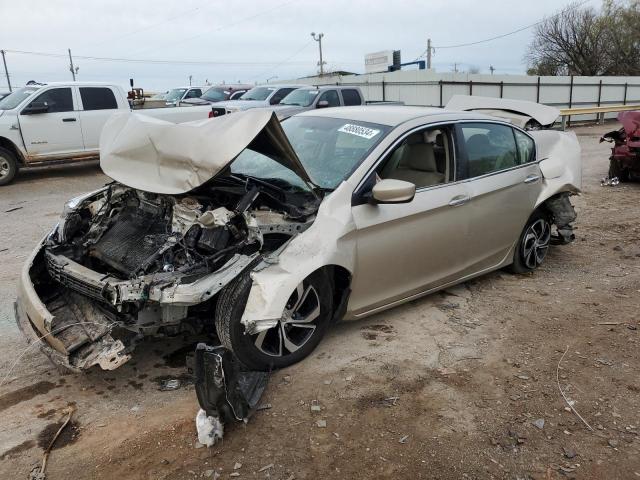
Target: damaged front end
125,263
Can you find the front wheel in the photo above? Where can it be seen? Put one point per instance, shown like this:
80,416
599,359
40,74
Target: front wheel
8,166
533,244
304,322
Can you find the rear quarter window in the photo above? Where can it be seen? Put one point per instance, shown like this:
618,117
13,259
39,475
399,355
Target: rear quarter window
95,98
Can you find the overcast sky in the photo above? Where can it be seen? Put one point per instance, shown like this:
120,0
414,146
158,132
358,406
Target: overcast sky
254,40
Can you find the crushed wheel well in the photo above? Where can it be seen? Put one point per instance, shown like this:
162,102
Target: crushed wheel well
341,281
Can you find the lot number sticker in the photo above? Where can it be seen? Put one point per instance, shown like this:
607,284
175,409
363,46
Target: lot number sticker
359,131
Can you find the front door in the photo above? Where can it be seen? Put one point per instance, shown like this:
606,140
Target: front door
405,249
56,132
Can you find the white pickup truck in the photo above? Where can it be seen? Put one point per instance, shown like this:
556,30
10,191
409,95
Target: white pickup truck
43,124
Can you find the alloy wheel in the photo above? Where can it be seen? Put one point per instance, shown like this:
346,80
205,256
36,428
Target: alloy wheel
535,243
296,326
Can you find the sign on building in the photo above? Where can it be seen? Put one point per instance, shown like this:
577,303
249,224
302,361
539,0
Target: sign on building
381,61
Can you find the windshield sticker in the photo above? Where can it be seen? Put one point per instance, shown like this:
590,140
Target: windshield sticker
363,132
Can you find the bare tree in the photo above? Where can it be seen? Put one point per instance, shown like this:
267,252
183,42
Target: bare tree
581,41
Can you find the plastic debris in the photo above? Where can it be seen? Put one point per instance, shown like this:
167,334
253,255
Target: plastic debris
609,182
168,385
210,428
226,392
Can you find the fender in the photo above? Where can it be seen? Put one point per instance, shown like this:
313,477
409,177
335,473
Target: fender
560,163
273,284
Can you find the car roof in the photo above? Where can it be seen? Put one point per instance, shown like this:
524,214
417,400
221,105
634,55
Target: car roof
326,87
393,115
278,85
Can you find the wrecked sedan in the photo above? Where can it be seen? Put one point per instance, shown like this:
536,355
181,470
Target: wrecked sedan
267,233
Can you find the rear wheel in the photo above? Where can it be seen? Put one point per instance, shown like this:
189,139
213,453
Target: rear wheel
533,244
302,325
8,166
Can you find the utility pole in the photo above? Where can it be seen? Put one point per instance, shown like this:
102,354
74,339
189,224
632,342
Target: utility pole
491,69
190,77
429,50
318,39
73,70
6,72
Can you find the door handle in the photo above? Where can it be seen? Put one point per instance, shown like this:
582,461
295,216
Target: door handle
459,200
68,119
532,178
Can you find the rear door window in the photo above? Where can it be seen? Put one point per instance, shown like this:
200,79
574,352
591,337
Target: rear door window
95,98
351,97
57,99
194,93
489,147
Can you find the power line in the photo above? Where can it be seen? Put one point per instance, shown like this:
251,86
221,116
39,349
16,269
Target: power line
569,8
150,61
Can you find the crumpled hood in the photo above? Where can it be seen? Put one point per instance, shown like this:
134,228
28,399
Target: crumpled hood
163,157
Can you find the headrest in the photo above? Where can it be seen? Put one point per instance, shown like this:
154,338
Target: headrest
420,157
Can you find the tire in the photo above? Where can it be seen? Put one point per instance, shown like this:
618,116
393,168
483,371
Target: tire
533,243
269,350
616,171
8,166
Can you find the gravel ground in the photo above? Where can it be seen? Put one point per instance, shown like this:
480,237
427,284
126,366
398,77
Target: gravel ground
459,385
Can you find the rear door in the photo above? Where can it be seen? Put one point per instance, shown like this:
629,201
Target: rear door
97,105
504,179
56,132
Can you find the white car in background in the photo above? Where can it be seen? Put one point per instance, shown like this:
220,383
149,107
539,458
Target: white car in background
176,95
261,96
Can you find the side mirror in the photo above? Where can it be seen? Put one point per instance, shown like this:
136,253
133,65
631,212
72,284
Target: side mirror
393,191
322,104
35,107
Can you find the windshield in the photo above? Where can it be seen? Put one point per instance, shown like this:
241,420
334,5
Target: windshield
16,98
300,97
330,149
215,94
175,94
258,93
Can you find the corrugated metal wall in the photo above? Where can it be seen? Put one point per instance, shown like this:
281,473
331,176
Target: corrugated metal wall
429,88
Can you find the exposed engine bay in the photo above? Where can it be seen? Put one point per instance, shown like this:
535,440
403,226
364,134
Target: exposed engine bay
133,263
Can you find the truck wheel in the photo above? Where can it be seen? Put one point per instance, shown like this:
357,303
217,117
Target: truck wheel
8,166
303,324
615,170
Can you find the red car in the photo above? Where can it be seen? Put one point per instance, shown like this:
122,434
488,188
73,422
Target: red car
624,162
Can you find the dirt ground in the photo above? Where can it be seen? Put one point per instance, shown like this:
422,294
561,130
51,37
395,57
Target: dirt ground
459,385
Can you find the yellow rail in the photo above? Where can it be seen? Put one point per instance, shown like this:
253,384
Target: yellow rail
565,113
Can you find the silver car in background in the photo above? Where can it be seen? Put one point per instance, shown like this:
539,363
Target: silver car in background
260,96
269,232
